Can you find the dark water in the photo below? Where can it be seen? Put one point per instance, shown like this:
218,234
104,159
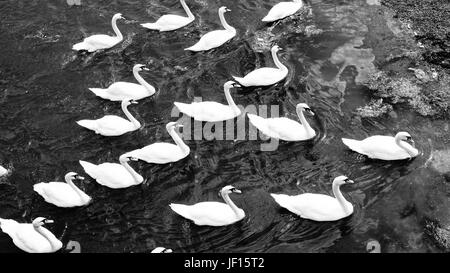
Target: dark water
44,88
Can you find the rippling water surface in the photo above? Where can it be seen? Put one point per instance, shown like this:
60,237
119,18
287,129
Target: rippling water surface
330,47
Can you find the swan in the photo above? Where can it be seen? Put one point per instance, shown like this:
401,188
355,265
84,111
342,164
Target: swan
32,238
113,175
162,152
284,128
373,246
62,194
73,247
212,213
215,38
212,111
111,125
119,91
318,207
172,22
3,171
384,147
266,75
161,250
102,41
282,10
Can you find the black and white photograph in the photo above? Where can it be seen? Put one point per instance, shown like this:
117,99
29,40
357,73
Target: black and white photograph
238,128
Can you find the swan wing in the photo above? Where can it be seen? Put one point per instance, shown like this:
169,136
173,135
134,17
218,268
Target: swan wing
60,194
109,125
262,77
172,22
212,39
378,147
282,10
159,153
210,111
207,213
101,41
287,129
114,176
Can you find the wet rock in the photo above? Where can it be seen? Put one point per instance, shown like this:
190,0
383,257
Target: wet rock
375,108
441,236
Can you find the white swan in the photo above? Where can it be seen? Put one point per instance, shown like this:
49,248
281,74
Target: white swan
102,41
266,75
32,238
3,171
215,38
161,250
63,194
119,91
384,147
212,111
284,128
113,175
282,10
373,246
172,22
111,125
162,152
212,213
318,207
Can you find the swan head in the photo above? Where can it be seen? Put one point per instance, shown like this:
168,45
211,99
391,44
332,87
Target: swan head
304,107
373,246
342,179
173,125
127,158
231,84
118,16
223,9
73,175
162,250
405,136
229,189
276,48
140,67
40,221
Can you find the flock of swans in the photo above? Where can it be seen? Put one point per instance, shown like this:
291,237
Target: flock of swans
317,207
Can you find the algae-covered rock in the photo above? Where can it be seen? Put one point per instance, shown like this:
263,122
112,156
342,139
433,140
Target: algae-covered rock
375,108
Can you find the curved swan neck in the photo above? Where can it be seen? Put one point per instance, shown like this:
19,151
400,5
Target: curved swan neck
187,10
141,80
230,99
224,22
338,195
180,143
405,147
130,117
133,173
304,122
69,180
116,29
47,235
230,203
277,61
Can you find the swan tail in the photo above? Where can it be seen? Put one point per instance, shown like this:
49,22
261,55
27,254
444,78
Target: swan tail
8,226
195,47
353,145
153,26
184,108
259,123
89,168
267,19
89,124
99,92
39,188
239,80
80,46
282,199
180,209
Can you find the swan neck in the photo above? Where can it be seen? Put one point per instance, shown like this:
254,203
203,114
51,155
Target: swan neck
224,22
338,195
404,146
187,10
47,235
304,122
277,61
141,80
133,173
180,143
74,187
130,117
230,203
230,100
116,29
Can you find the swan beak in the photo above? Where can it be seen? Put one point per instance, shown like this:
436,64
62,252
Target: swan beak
227,9
133,102
46,221
237,191
80,177
236,85
350,181
134,159
145,68
179,126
